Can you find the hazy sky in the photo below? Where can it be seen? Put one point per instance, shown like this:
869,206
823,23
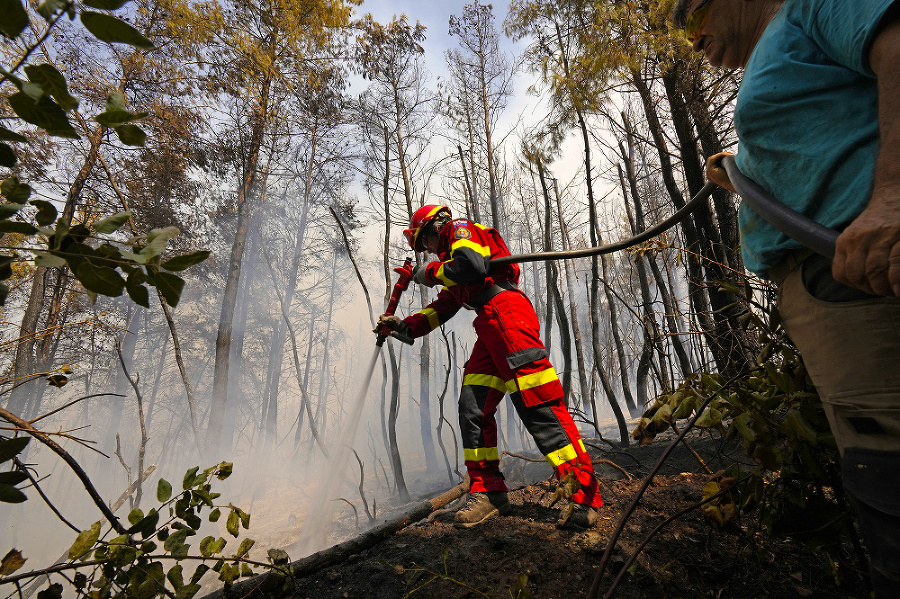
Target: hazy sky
434,14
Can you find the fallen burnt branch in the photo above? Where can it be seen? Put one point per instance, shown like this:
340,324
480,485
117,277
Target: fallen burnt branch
269,583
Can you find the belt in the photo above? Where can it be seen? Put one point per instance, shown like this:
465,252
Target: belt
794,258
488,294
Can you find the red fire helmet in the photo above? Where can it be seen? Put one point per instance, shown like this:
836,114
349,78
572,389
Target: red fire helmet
420,220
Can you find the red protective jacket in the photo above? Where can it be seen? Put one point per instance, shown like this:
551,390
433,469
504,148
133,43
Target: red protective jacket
465,251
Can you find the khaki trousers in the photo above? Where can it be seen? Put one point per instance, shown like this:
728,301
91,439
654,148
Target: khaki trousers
851,350
850,344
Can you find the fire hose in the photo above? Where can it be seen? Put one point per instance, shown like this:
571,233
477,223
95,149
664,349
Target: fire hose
383,330
802,229
809,233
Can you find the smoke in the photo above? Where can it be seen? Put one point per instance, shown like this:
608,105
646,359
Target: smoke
299,498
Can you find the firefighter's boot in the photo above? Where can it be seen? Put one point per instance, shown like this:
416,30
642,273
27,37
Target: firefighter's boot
480,507
577,517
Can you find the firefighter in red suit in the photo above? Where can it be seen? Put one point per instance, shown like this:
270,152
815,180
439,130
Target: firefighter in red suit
508,357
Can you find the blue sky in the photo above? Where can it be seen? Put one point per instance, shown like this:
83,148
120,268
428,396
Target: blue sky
434,14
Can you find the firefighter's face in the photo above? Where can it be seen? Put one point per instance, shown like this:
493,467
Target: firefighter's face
431,241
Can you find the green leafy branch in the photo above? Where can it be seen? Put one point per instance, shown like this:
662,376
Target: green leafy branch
9,449
42,99
776,415
129,565
102,268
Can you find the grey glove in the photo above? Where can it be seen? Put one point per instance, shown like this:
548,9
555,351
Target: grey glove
419,276
394,323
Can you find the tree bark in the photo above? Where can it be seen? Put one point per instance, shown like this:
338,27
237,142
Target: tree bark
648,317
674,337
232,279
726,341
573,310
128,341
552,274
617,335
593,226
391,424
179,359
23,364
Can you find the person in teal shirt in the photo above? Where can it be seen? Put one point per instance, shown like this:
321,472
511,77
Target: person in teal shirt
818,123
798,114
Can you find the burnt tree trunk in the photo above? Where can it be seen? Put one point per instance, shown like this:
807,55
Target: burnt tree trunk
727,342
232,278
552,274
573,310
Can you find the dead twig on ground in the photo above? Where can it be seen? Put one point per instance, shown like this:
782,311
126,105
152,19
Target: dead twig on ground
604,561
362,493
353,507
691,449
614,465
522,457
616,451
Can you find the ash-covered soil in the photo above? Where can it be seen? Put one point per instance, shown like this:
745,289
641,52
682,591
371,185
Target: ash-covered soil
690,557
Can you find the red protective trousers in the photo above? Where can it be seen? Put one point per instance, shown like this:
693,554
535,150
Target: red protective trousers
509,356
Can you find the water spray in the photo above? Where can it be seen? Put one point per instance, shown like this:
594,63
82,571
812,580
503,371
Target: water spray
794,225
313,537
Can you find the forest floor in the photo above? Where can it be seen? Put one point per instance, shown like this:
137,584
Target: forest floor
690,557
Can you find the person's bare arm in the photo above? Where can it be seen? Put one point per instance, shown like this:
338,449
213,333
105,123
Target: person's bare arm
868,251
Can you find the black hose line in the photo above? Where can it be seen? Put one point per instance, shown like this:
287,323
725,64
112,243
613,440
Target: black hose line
653,231
811,234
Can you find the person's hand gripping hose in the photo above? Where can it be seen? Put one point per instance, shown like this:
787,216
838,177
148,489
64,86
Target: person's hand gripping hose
716,172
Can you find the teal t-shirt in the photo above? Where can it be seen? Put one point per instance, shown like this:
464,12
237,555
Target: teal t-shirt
807,118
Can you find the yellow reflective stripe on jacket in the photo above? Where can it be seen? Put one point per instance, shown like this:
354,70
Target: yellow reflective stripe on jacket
485,380
448,282
536,379
432,317
472,245
561,456
481,454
